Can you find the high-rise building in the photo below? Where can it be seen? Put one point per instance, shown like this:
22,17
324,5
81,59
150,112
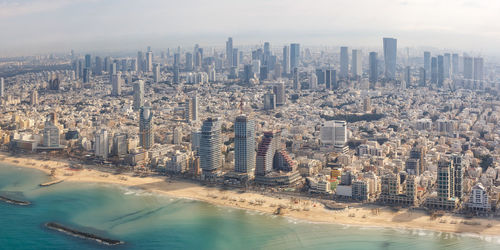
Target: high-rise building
98,68
296,82
422,77
427,62
146,138
244,144
320,74
141,61
447,65
279,91
468,68
116,84
478,69
210,147
34,98
191,109
88,61
390,55
407,80
269,101
454,64
334,132
286,60
156,73
229,52
265,153
313,81
458,175
331,79
51,137
101,144
120,145
294,55
138,94
440,62
356,67
444,183
373,67
236,58
86,75
344,62
2,87
434,70
189,61
177,60
149,61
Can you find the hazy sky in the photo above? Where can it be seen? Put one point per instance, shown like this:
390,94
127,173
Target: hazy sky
29,26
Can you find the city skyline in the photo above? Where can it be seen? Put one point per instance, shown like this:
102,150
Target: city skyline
35,26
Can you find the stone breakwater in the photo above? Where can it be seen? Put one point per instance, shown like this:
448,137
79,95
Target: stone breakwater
15,202
81,234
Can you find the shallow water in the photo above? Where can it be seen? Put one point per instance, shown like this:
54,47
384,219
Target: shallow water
150,221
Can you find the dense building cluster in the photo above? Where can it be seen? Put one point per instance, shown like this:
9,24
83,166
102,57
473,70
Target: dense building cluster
402,130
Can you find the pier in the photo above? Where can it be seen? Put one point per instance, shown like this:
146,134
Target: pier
15,202
50,183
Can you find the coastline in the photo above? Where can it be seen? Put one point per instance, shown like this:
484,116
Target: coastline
301,209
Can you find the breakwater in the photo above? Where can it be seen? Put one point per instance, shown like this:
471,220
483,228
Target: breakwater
15,202
81,234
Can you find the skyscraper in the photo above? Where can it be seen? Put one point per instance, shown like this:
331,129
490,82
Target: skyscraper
138,94
478,69
390,55
447,65
458,175
210,147
454,64
296,82
149,61
440,62
427,62
156,73
373,67
265,153
434,70
51,137
141,62
356,67
468,68
331,79
189,61
116,85
191,109
229,52
344,62
88,61
101,144
294,55
279,91
286,60
244,144
146,139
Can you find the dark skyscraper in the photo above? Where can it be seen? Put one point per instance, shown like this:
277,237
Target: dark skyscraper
390,55
440,65
434,70
88,61
344,62
294,55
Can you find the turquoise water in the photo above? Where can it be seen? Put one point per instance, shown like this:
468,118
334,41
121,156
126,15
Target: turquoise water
147,221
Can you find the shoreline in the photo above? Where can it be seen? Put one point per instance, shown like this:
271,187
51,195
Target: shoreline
313,211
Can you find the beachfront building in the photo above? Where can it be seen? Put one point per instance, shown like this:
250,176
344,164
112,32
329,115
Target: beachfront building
392,193
244,145
210,148
478,200
146,138
445,199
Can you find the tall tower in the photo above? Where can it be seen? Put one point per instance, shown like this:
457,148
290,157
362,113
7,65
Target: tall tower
286,60
156,73
229,52
138,94
149,61
344,62
434,70
117,85
427,62
210,147
390,55
146,128
356,68
265,153
244,145
458,175
445,184
440,78
373,67
478,69
279,91
294,55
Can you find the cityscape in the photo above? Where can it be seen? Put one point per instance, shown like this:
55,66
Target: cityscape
389,136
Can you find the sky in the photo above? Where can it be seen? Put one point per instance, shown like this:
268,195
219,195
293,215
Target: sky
42,26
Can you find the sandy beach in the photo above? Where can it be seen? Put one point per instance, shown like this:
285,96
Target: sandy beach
300,208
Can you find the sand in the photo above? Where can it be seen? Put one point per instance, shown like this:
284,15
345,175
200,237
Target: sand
298,208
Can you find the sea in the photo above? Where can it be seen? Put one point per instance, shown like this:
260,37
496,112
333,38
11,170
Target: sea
143,220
